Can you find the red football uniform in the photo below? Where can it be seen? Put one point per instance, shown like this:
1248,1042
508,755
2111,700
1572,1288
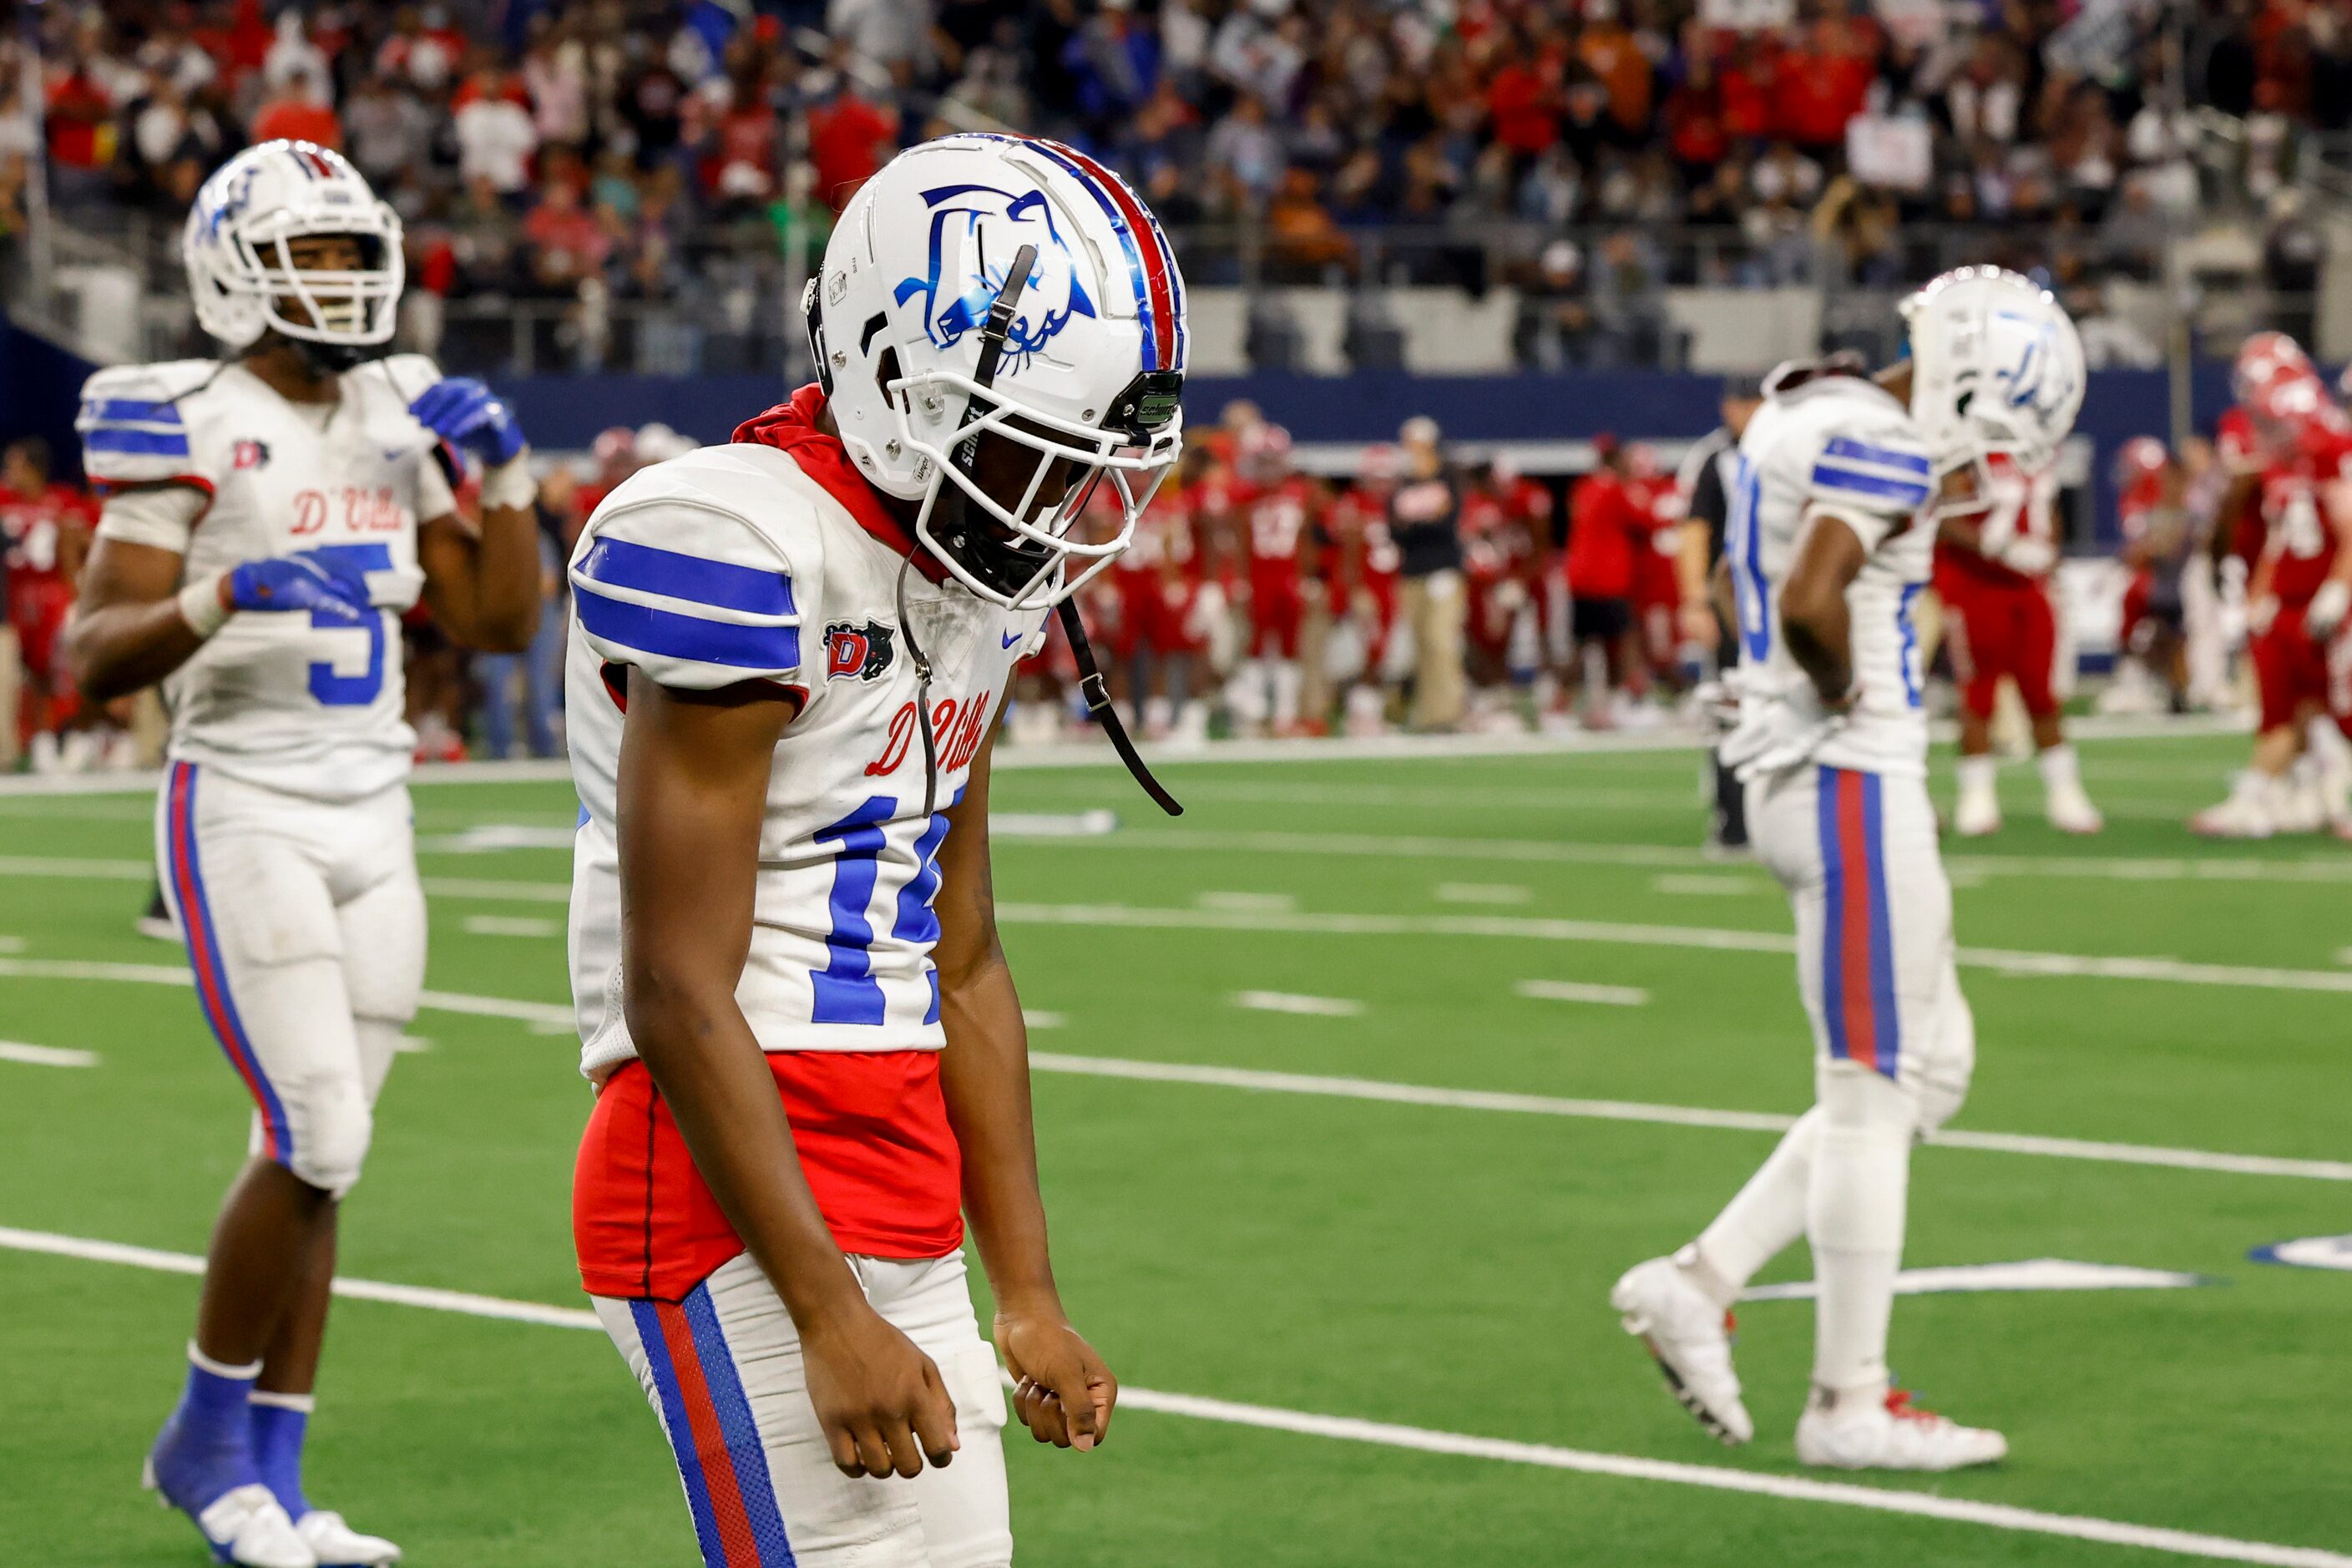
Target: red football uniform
2298,550
2139,497
1367,563
1275,517
2000,621
46,536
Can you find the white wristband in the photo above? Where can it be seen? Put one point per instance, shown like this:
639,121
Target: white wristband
201,606
510,483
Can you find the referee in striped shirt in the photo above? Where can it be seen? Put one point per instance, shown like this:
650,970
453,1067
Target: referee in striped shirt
1706,482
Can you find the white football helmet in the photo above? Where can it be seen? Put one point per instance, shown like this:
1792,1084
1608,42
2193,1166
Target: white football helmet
1995,366
242,275
926,340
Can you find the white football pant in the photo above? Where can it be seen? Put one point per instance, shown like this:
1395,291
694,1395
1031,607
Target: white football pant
1895,1042
722,1369
305,927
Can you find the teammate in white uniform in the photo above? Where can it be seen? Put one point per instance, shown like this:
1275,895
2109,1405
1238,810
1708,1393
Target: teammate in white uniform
283,827
1840,483
787,664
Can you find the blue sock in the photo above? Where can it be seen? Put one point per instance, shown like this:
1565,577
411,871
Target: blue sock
280,1423
212,1406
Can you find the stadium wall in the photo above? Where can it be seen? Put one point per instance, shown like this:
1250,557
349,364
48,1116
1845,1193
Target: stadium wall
40,384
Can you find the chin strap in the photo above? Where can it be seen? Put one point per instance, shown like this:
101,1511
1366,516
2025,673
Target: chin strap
1092,686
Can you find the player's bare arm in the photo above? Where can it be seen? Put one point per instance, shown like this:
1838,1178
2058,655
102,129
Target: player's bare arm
483,585
1813,612
1063,1394
127,630
694,770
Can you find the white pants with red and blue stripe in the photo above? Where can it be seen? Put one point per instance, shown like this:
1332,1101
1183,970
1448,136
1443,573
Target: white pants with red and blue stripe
305,927
1857,853
722,1369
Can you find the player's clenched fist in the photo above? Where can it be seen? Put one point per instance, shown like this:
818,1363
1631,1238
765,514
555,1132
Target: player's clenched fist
879,1399
292,582
469,416
1062,1391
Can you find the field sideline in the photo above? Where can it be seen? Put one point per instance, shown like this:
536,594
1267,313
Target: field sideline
1356,1087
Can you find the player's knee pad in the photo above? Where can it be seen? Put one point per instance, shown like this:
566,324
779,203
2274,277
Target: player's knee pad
331,1128
1944,1068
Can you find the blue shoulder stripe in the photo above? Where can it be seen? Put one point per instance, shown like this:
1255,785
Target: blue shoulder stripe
130,411
136,443
1855,482
618,563
668,634
1885,457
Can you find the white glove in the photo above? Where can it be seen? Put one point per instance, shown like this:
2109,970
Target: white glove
2260,614
2030,556
2326,611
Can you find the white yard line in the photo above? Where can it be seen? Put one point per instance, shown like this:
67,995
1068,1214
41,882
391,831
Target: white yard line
1668,1115
1291,1002
2332,866
1578,991
510,925
557,1018
517,892
2166,971
1482,893
1381,1433
45,1056
1274,903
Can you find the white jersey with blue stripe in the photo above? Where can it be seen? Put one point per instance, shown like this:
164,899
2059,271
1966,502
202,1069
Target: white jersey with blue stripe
730,565
1842,447
272,699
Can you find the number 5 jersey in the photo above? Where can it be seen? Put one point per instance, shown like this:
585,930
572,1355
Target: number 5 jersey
272,700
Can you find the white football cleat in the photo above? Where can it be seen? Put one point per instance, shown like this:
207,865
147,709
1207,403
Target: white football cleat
1975,814
337,1545
1895,1435
1691,1338
244,1526
2246,814
2069,811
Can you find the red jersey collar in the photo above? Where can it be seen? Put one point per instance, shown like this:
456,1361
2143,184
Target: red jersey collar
792,427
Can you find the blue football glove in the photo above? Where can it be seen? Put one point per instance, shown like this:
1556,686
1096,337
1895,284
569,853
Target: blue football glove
292,583
468,415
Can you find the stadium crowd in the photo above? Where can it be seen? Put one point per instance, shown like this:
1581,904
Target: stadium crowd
600,150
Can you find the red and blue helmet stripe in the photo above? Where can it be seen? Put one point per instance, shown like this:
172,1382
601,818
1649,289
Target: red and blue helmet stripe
1151,263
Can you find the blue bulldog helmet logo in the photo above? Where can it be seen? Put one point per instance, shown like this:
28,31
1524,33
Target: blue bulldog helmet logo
987,227
2039,383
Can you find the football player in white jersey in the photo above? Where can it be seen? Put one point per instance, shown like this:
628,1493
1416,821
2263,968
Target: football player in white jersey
283,828
787,664
1840,483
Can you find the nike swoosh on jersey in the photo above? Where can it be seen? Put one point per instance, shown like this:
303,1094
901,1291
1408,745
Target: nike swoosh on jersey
1011,637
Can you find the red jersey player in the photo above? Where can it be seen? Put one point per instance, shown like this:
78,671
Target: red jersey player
1500,560
1361,579
1992,574
46,528
1275,506
2155,544
2297,596
1657,548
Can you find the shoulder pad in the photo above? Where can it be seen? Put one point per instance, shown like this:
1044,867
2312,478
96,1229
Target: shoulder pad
678,577
132,427
408,375
1879,465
